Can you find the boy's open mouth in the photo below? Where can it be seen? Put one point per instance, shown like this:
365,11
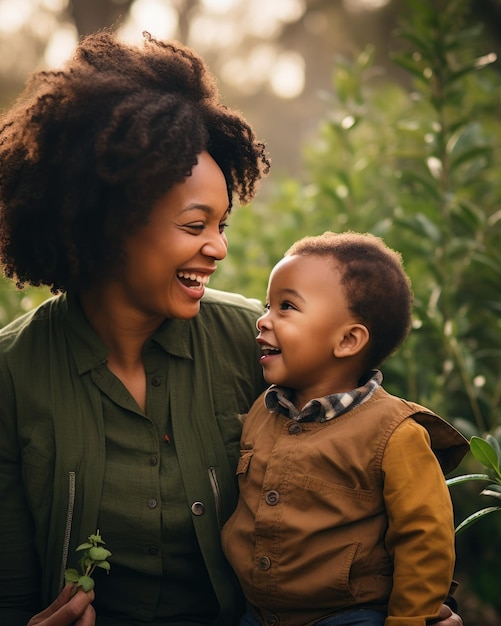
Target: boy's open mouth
269,350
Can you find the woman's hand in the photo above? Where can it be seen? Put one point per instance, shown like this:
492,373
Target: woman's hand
67,610
448,618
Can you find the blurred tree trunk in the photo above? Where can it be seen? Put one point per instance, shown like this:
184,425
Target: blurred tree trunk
92,15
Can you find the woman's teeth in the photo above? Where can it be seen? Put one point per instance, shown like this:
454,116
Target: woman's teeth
199,279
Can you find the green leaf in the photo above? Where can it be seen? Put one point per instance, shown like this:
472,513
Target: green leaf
469,216
411,67
492,490
456,480
104,565
86,582
99,554
492,441
484,453
71,576
467,69
427,228
84,546
474,517
469,155
86,562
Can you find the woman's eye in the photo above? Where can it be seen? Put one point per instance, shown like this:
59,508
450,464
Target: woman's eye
196,227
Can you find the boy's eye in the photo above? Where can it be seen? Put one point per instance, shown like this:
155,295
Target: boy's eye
223,226
284,306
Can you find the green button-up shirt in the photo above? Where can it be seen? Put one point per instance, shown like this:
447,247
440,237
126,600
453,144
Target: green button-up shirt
157,485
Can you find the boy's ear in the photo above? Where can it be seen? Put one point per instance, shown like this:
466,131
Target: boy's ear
355,338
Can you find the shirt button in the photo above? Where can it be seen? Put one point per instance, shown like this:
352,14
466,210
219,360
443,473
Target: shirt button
198,508
153,460
295,428
152,503
272,497
263,563
156,381
153,550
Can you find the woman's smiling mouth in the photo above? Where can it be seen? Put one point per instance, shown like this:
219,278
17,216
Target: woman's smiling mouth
193,280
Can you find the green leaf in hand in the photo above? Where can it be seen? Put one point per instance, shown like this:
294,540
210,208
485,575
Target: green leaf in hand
94,555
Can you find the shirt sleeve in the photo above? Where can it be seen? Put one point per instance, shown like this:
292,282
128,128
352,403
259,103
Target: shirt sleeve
19,572
420,536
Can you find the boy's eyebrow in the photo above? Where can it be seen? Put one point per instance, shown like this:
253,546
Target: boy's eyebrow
291,292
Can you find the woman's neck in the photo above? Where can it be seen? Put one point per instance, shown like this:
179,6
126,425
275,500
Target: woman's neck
124,331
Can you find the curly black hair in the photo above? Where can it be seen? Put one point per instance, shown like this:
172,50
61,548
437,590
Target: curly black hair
86,151
376,287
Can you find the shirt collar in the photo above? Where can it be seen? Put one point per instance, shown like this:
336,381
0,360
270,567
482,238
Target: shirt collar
90,352
322,409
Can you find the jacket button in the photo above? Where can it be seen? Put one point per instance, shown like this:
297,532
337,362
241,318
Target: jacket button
263,563
152,503
153,550
272,497
198,508
153,460
156,381
272,620
295,428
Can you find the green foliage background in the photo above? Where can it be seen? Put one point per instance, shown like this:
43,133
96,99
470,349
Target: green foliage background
417,164
418,167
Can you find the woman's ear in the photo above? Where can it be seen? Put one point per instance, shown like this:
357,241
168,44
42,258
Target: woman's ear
355,338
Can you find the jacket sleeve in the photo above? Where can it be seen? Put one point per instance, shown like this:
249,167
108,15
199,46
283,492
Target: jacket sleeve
19,569
420,536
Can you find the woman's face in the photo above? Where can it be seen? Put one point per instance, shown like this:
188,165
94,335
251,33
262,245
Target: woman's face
170,259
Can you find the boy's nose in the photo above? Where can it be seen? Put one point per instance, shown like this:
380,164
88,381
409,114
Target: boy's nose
262,322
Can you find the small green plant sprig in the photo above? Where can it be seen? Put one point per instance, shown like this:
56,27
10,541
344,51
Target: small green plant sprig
488,452
94,555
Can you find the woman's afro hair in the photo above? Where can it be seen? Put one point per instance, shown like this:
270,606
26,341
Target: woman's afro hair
86,151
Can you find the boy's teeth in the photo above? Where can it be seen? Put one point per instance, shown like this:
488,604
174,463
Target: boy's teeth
269,349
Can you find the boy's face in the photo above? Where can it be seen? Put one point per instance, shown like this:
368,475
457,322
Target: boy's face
307,319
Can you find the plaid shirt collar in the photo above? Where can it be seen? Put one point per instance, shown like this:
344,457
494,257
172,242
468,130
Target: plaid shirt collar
322,409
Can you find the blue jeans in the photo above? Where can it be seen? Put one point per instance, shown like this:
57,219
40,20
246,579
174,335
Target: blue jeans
354,617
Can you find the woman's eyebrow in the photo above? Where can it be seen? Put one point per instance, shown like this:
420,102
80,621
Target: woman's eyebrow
203,207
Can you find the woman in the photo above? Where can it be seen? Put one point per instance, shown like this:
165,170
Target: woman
121,396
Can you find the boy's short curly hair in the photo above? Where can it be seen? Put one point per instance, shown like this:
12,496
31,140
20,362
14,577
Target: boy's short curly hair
85,152
377,289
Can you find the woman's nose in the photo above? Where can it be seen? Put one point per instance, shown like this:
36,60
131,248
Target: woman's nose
216,247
